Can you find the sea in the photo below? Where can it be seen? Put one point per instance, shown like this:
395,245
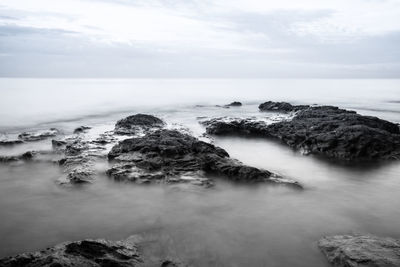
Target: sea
226,225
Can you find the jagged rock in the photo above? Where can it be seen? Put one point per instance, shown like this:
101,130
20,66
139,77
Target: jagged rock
88,253
169,155
281,106
136,123
323,130
39,135
361,251
81,129
133,251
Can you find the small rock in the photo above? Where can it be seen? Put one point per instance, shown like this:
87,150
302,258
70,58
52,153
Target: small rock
234,104
132,124
39,135
81,129
280,106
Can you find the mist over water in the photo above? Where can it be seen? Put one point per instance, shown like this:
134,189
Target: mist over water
228,225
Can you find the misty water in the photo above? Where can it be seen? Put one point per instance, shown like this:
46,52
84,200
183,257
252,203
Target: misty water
227,225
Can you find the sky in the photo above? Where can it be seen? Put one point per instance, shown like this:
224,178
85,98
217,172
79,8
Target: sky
200,38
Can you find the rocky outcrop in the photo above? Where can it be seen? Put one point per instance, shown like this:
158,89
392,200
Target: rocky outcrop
10,142
361,251
38,135
169,156
87,253
280,106
323,130
137,123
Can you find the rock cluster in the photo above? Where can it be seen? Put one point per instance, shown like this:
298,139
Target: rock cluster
361,251
39,135
323,130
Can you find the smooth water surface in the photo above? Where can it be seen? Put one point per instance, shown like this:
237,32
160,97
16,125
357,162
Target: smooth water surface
228,225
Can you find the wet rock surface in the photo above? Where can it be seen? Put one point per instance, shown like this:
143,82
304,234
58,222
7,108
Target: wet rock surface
23,157
133,124
323,130
38,135
88,253
281,106
169,156
361,251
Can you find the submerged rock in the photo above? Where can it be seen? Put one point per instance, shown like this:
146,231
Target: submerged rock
169,156
10,142
280,106
39,135
135,123
361,251
24,157
324,130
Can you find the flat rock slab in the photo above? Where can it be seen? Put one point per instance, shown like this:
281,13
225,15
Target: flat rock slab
361,251
323,130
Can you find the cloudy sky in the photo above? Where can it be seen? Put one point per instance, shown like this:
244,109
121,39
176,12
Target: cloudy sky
200,38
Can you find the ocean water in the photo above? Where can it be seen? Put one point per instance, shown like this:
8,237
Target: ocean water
228,225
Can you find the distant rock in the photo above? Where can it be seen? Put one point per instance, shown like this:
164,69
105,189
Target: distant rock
169,156
135,123
38,135
280,106
361,251
81,129
234,104
323,130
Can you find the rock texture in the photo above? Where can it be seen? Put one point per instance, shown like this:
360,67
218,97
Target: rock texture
169,156
137,123
280,106
39,135
361,251
86,253
323,130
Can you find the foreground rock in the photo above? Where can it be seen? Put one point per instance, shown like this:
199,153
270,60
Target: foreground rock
324,130
86,253
361,251
137,123
280,106
169,156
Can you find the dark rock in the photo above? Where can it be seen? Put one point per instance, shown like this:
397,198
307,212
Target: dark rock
234,104
280,106
58,143
90,253
81,129
361,251
10,142
24,157
135,123
39,135
323,130
170,156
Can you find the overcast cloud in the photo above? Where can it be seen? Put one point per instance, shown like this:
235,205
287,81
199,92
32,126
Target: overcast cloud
200,38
